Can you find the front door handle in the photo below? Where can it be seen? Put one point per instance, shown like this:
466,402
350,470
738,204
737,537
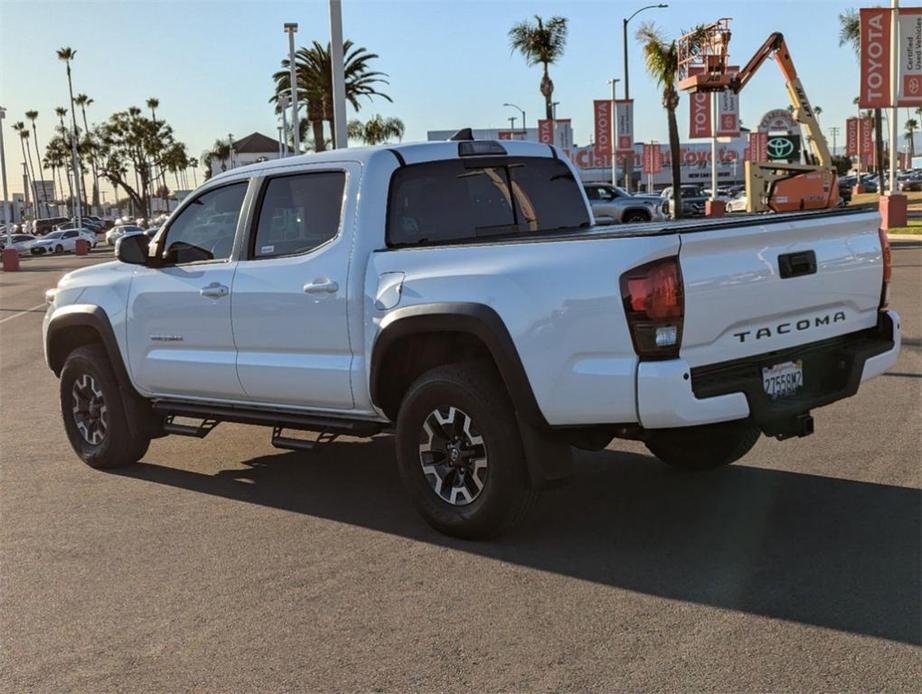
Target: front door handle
214,290
321,285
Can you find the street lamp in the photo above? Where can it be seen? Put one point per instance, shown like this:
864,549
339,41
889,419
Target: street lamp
524,122
629,161
554,120
6,208
291,28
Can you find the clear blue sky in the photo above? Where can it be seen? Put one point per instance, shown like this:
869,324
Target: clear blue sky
449,63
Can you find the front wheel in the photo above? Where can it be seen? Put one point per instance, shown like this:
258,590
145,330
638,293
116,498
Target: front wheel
703,447
459,452
96,417
636,216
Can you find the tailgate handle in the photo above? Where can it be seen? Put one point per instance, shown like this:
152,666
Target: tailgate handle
797,264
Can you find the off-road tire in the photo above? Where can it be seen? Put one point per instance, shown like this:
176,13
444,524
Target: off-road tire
474,390
122,442
635,216
59,249
703,447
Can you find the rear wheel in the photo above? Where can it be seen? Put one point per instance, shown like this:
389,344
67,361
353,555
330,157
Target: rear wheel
59,249
703,447
460,453
96,418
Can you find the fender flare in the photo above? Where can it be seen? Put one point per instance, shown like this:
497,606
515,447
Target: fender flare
87,316
476,319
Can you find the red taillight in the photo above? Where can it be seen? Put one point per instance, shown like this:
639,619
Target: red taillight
654,304
888,268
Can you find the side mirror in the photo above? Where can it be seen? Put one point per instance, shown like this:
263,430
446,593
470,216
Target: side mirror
132,249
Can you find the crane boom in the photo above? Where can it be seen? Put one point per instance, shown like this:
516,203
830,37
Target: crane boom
776,47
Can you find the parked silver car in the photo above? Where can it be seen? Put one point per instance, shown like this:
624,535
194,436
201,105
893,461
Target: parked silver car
614,205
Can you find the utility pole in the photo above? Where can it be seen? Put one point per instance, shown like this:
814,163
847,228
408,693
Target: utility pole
6,201
511,120
614,141
291,28
340,141
835,131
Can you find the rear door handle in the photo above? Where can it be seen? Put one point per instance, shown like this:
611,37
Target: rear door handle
321,285
214,290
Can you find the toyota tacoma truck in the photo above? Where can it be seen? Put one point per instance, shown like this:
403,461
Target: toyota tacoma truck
457,296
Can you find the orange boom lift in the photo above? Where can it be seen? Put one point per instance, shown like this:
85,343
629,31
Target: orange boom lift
776,186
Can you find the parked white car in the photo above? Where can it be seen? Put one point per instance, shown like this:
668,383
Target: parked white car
63,241
115,233
21,242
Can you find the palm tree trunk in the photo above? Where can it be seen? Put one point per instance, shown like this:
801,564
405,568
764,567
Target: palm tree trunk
319,144
73,118
30,189
32,174
674,155
86,127
547,90
41,171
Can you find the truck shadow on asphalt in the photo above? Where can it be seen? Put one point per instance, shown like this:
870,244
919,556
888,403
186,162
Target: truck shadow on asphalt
821,551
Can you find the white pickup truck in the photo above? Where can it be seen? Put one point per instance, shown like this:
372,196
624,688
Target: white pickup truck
457,295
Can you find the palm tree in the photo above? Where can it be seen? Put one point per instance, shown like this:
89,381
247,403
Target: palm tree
153,103
60,112
662,62
67,54
314,70
82,100
541,42
850,34
911,126
193,164
376,130
33,116
23,131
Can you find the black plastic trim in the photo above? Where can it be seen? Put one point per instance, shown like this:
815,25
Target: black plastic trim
832,371
454,317
84,316
267,417
400,159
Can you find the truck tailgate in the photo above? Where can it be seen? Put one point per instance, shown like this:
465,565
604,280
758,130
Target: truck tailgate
762,287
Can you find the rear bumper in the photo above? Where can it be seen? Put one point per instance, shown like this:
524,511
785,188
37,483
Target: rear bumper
670,394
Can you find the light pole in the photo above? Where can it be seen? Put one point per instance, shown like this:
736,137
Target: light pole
524,122
230,154
340,140
614,144
284,105
554,120
6,204
291,28
629,160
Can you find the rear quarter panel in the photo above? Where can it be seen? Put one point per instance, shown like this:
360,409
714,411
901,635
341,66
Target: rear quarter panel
560,301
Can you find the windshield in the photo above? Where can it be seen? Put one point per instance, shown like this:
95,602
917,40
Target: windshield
54,235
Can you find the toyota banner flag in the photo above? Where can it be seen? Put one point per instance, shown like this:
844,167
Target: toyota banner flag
758,146
699,109
601,109
546,131
875,78
624,126
652,159
851,137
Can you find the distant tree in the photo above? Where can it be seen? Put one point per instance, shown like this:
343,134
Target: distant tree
82,100
911,126
375,130
313,67
661,58
541,42
23,131
67,55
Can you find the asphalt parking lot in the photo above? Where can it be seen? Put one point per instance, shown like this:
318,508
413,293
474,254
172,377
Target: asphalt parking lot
226,565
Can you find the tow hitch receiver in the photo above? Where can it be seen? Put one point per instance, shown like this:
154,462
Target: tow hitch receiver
801,425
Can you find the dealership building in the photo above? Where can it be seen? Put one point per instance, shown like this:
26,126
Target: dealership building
695,157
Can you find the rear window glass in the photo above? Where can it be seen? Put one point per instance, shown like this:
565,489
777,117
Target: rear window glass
459,200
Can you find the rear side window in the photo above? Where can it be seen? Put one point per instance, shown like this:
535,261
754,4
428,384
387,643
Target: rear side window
458,200
298,213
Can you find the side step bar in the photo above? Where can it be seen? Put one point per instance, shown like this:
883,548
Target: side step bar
212,414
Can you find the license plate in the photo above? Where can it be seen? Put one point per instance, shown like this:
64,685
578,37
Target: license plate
783,379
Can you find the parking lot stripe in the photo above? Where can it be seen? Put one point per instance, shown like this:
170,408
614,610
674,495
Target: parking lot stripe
22,313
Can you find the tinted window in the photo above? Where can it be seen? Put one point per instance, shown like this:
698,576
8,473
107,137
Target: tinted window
298,213
457,200
69,234
205,229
